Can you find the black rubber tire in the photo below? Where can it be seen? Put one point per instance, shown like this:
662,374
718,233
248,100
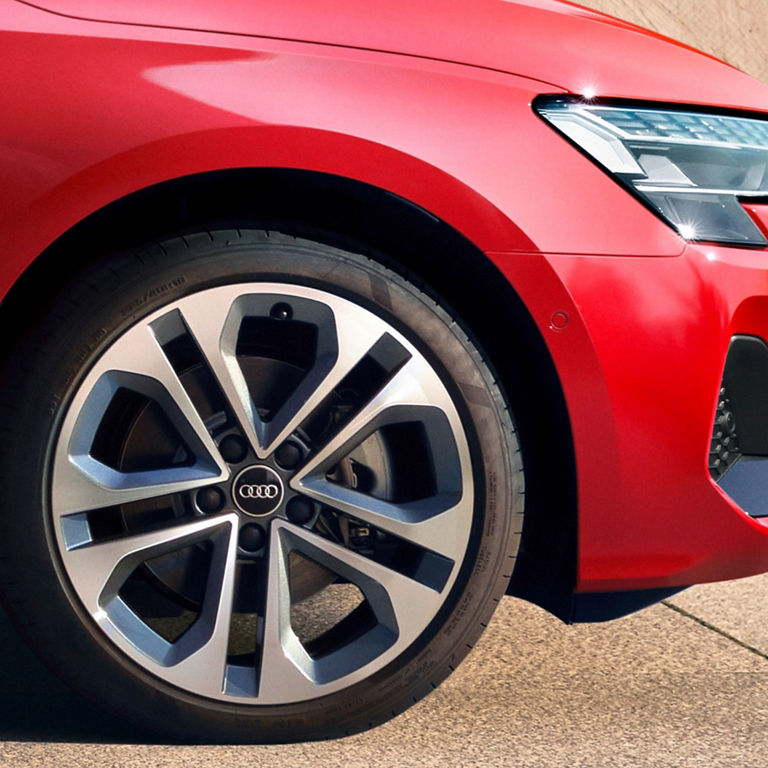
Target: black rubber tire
38,382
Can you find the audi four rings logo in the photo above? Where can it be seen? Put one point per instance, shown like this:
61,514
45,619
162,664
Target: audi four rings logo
261,491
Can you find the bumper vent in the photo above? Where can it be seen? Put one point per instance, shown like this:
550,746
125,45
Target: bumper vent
738,455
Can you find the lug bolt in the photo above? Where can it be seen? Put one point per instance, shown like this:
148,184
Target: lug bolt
209,500
251,537
300,510
281,311
233,449
288,455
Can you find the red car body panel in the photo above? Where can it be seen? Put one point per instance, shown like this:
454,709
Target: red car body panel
413,106
506,36
642,351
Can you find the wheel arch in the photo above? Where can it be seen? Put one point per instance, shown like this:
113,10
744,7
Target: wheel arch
358,216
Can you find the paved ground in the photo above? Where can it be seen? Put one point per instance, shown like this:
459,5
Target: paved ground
677,685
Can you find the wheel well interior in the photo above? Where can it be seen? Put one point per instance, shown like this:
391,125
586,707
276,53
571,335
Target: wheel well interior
359,217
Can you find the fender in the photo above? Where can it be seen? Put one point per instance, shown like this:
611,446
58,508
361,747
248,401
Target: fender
435,133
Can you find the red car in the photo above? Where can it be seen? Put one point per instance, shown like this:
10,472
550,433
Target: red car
325,326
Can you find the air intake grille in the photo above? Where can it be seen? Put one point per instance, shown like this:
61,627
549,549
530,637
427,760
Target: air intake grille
724,449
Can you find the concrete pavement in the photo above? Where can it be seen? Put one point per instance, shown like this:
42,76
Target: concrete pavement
679,684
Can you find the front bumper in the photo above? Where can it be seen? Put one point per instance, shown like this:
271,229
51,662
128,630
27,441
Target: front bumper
640,344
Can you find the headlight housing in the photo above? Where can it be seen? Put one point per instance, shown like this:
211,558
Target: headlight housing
691,168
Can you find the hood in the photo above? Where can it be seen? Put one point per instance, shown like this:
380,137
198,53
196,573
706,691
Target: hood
561,44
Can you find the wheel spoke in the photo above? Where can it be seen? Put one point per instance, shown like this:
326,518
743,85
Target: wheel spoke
398,602
355,335
213,319
343,339
136,362
100,569
90,485
203,650
439,524
285,672
405,391
138,353
198,659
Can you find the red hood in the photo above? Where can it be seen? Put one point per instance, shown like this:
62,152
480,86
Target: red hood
557,43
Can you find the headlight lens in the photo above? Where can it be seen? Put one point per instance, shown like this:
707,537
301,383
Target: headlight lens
691,168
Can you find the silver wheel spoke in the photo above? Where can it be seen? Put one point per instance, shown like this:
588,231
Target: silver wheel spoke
344,336
139,353
404,389
214,324
136,362
355,334
203,649
78,490
440,523
101,568
198,660
400,604
285,672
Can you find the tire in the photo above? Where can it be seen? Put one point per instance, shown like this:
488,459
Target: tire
267,490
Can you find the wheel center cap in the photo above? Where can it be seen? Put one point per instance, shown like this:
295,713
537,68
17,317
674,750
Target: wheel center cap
258,490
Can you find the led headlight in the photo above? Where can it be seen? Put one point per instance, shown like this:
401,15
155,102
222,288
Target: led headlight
691,168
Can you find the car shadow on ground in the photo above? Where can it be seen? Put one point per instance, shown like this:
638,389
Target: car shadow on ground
36,706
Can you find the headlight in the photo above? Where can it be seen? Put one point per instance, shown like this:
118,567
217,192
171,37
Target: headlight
691,168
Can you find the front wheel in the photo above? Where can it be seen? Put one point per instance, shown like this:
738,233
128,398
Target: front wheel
270,490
